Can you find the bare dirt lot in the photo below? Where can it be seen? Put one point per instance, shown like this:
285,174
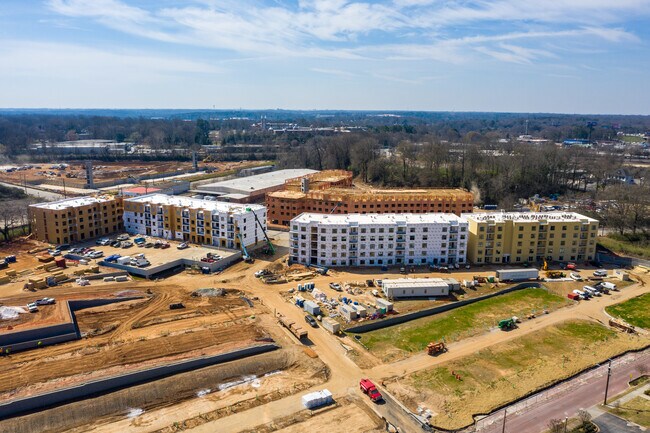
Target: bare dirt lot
75,173
135,334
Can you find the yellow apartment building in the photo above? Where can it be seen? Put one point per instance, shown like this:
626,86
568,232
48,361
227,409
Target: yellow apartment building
76,219
526,237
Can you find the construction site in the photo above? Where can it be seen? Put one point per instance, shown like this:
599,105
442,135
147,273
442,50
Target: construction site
233,350
332,192
73,175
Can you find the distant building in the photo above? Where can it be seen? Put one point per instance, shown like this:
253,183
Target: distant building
76,219
576,142
622,175
378,239
253,187
516,237
200,221
83,147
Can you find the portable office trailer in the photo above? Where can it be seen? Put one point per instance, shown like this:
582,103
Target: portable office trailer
348,313
383,304
415,287
331,325
312,308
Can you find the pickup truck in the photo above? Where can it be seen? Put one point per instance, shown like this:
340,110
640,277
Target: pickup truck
369,388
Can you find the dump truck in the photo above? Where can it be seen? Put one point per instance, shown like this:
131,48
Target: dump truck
436,348
369,388
506,324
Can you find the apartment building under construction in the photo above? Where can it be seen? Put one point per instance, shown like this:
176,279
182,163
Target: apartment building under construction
207,222
285,205
76,219
526,237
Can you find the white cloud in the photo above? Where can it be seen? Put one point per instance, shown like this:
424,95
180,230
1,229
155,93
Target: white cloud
336,72
353,29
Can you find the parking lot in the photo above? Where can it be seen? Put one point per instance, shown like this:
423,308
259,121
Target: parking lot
160,259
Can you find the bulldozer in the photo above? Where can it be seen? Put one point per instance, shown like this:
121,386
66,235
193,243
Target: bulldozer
555,274
436,348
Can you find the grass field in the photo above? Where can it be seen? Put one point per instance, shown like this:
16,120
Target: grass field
635,246
507,371
459,323
635,311
631,138
636,410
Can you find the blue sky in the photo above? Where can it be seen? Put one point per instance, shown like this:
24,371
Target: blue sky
569,56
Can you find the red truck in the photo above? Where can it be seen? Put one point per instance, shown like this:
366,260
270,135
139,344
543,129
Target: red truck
369,388
573,296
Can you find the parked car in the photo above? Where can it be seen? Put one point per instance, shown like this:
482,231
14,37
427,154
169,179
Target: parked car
600,273
55,252
32,307
575,276
127,244
261,273
182,246
102,241
63,247
311,321
164,245
96,254
45,301
116,244
336,286
123,237
112,258
148,245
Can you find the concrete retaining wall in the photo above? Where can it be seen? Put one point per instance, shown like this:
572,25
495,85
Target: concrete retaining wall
152,271
372,326
101,386
46,335
620,260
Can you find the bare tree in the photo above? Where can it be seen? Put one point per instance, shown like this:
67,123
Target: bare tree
555,426
584,417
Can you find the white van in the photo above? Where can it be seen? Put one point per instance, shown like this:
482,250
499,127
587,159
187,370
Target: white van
608,285
592,291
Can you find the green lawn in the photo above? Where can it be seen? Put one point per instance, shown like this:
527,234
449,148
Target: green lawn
636,410
462,322
635,311
635,246
631,138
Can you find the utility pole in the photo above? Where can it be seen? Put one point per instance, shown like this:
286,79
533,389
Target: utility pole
505,412
609,373
64,193
566,420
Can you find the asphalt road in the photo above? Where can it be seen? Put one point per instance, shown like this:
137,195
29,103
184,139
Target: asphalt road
608,423
394,413
586,392
45,195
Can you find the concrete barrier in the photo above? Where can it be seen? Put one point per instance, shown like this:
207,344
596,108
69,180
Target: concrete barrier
97,387
46,335
380,324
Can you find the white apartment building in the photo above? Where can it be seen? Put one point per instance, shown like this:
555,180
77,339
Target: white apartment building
206,222
378,239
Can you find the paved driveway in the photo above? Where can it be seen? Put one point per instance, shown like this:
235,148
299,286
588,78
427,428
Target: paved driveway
611,424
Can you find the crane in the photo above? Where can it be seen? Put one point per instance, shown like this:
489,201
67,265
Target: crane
268,241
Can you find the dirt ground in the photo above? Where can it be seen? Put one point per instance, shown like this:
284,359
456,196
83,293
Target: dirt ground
135,334
75,174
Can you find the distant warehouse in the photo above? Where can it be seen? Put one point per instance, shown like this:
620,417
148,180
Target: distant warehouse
252,188
418,287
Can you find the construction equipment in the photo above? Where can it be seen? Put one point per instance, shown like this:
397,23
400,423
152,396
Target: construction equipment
247,258
507,324
369,388
555,274
436,348
268,241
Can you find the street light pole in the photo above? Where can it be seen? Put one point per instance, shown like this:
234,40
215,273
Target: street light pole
609,373
505,411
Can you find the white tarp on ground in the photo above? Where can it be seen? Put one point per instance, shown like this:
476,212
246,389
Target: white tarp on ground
316,399
9,313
